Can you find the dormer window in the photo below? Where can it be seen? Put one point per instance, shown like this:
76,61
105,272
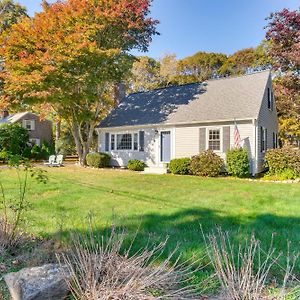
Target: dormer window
28,124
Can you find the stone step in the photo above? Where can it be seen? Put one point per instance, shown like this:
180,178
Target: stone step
155,170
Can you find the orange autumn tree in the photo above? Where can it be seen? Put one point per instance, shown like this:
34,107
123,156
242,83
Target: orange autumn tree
71,55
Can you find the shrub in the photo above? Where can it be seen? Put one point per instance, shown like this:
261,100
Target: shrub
36,152
284,162
180,166
98,160
207,163
136,165
3,156
237,163
13,138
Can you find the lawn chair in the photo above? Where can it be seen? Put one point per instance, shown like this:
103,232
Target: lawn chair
50,161
58,162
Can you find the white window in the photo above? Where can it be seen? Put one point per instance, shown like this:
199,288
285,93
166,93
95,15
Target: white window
35,142
124,141
28,124
263,137
214,139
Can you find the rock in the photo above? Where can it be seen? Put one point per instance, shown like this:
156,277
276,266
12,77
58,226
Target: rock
41,283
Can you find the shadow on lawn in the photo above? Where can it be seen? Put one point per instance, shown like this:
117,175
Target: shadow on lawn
183,229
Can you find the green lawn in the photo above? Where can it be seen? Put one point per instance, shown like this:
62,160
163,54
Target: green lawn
163,205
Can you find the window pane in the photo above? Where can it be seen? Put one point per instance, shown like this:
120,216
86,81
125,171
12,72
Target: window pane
124,141
214,142
135,141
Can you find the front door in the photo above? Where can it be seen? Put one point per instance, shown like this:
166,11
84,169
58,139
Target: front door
165,146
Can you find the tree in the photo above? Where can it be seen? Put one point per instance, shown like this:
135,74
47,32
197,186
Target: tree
71,55
240,61
10,13
168,69
144,75
284,39
200,66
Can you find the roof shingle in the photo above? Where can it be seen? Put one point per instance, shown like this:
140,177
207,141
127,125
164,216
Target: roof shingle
222,99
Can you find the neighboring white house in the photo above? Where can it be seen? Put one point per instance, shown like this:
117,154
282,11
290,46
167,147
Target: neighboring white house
184,120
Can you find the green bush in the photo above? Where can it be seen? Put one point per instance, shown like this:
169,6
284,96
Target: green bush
284,162
13,138
180,166
237,163
36,152
3,156
136,165
98,160
207,164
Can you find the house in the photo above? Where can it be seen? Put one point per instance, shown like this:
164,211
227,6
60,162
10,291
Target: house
182,121
39,130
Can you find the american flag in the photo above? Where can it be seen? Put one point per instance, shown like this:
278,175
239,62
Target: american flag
236,136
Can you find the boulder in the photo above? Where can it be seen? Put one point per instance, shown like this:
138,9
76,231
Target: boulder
40,283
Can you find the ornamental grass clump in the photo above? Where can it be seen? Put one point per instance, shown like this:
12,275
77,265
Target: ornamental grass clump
102,269
244,270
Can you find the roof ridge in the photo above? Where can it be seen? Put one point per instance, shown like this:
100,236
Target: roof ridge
201,82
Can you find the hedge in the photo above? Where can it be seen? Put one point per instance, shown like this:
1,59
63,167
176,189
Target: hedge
136,165
98,160
237,163
180,166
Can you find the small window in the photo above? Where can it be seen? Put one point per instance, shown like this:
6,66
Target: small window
214,140
135,142
112,142
124,141
29,124
263,137
270,99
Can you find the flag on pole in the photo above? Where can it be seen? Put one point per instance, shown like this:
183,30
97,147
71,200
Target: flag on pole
236,136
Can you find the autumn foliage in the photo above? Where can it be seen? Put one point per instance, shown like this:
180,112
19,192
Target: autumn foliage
71,54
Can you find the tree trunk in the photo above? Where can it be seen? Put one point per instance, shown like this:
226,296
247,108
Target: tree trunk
57,134
83,139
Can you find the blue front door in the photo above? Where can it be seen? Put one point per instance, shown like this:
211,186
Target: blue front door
165,146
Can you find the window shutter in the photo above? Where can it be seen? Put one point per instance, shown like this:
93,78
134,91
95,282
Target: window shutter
266,139
106,141
202,139
24,124
261,139
269,99
141,141
226,138
272,101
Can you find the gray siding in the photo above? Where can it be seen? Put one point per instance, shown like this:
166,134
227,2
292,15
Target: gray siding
268,119
42,130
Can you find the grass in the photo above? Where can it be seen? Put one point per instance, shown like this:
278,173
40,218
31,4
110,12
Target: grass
162,205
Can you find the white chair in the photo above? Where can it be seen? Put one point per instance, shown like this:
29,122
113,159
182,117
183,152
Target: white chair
59,161
50,161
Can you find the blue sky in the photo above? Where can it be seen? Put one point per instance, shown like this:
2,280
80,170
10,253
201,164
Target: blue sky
188,26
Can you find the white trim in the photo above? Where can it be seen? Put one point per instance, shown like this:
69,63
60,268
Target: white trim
221,137
156,125
123,132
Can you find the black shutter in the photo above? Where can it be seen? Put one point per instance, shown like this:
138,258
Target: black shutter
272,101
202,139
226,138
266,139
141,141
106,141
261,139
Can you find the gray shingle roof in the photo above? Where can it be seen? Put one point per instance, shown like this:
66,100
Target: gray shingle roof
222,99
13,118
